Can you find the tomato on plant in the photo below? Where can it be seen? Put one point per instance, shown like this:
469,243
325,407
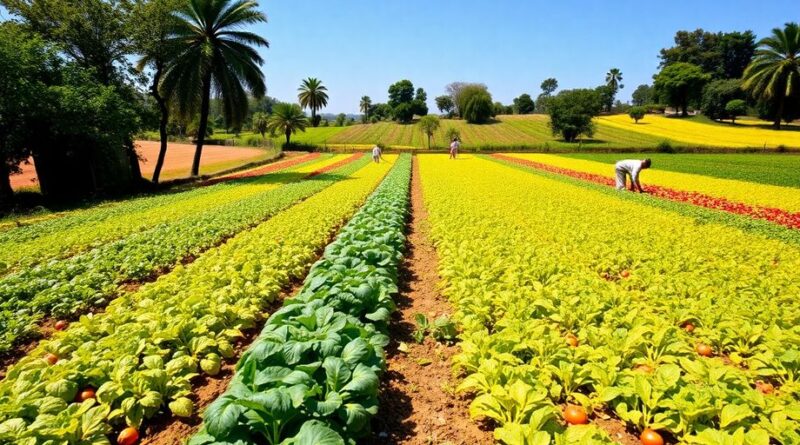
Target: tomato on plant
128,436
61,325
689,327
51,358
86,394
575,415
651,437
625,273
572,340
704,350
764,387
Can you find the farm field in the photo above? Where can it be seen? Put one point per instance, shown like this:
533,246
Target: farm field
278,306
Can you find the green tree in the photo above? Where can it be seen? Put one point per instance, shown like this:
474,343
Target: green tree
723,55
445,105
313,95
680,84
401,100
260,123
465,94
428,126
606,96
340,119
452,133
736,107
365,105
637,113
287,119
643,95
774,74
212,52
150,25
571,113
524,104
614,83
716,96
478,108
549,86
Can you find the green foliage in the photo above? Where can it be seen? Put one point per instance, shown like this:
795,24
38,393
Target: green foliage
404,103
681,84
443,329
312,375
445,105
523,104
734,108
340,119
478,107
260,123
403,112
452,133
606,94
637,113
287,119
549,86
428,126
365,105
614,83
642,95
401,92
716,96
773,76
313,94
723,55
571,113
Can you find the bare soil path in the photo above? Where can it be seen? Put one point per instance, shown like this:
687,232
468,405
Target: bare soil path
418,404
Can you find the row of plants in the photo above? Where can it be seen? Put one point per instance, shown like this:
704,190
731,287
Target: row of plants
572,313
114,370
63,288
774,215
78,231
312,375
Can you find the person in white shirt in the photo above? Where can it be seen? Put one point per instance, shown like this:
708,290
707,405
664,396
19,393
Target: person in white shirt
454,146
630,167
376,154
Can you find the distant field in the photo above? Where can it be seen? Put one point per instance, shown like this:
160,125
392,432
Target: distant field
707,133
773,169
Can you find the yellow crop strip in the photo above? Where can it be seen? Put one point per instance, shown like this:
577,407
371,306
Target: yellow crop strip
687,132
785,198
529,261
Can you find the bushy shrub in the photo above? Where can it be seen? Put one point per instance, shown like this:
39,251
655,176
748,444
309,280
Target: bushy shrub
637,113
571,113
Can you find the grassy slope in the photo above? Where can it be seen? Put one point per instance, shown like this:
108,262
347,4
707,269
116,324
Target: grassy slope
774,169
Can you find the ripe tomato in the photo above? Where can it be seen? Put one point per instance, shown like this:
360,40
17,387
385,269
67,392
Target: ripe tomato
86,394
625,273
575,415
764,387
61,325
651,437
704,350
689,327
128,436
51,358
572,340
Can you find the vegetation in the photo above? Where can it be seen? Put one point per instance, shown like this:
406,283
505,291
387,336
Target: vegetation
637,113
474,103
428,126
680,84
364,106
260,123
614,83
716,96
287,119
404,103
524,104
571,113
734,108
313,95
721,55
642,95
445,105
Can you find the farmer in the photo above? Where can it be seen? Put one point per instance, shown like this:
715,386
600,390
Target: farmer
630,167
376,154
454,148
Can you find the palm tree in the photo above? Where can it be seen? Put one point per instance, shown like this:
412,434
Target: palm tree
313,95
774,73
260,122
287,119
613,81
212,53
364,106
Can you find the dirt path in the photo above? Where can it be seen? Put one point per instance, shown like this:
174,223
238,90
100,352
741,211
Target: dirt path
417,402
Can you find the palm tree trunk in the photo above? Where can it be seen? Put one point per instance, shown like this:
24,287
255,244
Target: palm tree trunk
429,142
313,118
779,114
288,135
162,125
201,131
6,192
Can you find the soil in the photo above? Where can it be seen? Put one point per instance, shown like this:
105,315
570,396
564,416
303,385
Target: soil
617,430
417,401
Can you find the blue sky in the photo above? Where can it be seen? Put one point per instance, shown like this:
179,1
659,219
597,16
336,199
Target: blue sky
360,47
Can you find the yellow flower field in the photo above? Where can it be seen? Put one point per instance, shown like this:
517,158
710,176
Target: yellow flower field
704,134
785,198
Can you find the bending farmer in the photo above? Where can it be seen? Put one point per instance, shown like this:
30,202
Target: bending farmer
630,167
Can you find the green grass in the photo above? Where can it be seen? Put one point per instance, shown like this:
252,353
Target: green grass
774,169
312,136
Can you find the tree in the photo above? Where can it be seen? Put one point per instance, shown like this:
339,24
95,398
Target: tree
151,22
680,84
340,119
637,113
613,81
716,96
403,112
457,91
365,105
380,111
571,113
428,125
212,52
524,104
401,98
549,86
723,55
643,95
736,107
774,74
606,96
287,119
445,105
261,123
452,133
313,94
421,95
478,108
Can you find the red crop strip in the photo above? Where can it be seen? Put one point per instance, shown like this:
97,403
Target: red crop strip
777,216
335,165
265,169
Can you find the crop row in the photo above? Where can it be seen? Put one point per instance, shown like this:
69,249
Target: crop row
64,287
683,328
137,359
312,375
82,230
775,215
